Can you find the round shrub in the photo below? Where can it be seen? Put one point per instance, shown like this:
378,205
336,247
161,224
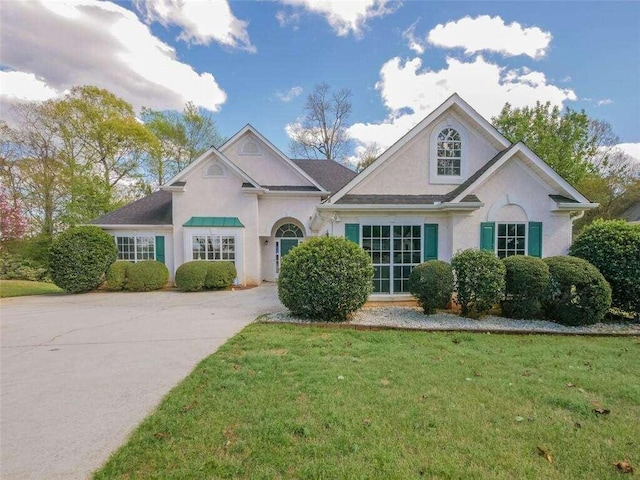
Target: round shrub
578,294
220,275
479,281
80,256
117,275
146,276
432,284
613,247
325,278
526,282
191,276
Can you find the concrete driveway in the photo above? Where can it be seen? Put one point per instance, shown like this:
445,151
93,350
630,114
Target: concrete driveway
79,372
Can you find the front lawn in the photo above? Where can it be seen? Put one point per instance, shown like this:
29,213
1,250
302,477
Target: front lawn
20,288
282,401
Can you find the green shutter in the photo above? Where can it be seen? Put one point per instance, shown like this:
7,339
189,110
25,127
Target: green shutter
535,239
430,242
352,232
488,236
160,248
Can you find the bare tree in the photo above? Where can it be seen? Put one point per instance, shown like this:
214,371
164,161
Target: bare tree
322,133
368,155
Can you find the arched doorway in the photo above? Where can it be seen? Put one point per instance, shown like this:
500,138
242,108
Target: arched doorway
288,235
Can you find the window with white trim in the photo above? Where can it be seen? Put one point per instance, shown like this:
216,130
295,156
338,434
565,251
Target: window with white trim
214,248
449,152
136,248
511,239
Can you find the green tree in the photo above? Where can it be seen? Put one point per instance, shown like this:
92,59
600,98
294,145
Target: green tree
561,138
182,136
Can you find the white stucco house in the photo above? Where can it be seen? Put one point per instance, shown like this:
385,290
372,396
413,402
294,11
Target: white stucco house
452,182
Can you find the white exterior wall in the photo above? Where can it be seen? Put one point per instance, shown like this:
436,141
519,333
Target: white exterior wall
407,173
266,167
218,197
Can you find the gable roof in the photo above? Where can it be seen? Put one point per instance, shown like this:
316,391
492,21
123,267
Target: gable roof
249,128
632,214
328,173
154,209
176,180
454,101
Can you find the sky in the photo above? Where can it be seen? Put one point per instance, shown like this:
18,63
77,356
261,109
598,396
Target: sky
256,61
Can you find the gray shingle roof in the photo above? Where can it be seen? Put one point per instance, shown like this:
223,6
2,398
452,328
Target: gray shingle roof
400,199
562,199
154,209
328,173
632,214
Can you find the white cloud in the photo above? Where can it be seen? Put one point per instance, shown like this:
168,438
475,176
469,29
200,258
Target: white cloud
88,42
491,34
290,95
345,16
410,93
416,44
25,86
604,101
291,18
631,149
201,21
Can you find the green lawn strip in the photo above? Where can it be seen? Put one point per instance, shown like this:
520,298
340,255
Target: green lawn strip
21,288
288,402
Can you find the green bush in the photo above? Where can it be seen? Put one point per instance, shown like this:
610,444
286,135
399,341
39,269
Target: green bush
80,256
432,284
479,281
325,278
17,267
526,282
578,294
613,247
220,275
117,275
191,276
146,276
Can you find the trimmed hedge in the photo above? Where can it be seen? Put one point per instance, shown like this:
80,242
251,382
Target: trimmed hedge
526,282
203,275
325,278
80,256
146,276
117,275
578,293
432,284
220,275
613,247
479,281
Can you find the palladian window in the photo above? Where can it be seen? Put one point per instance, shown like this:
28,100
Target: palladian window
449,152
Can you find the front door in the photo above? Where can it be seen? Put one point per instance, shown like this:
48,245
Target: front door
287,244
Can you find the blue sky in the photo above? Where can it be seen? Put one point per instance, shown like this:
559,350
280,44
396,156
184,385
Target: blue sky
255,62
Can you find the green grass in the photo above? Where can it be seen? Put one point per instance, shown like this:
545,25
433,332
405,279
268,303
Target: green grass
295,402
20,288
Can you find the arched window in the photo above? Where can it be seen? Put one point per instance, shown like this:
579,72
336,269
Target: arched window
289,230
449,152
215,170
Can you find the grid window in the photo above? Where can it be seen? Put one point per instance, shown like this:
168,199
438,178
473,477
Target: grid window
449,152
394,252
214,248
511,239
136,248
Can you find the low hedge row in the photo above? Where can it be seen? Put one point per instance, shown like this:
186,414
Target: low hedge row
564,289
142,276
202,275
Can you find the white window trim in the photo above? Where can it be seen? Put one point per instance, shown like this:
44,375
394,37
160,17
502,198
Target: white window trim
526,236
433,153
135,246
212,164
236,232
244,153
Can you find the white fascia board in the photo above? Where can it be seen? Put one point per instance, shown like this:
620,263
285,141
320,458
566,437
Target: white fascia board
132,227
169,188
391,207
293,193
572,206
250,128
411,134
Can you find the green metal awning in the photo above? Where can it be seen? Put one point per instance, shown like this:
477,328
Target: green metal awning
213,222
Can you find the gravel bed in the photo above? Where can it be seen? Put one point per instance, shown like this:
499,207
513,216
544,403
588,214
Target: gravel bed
412,317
